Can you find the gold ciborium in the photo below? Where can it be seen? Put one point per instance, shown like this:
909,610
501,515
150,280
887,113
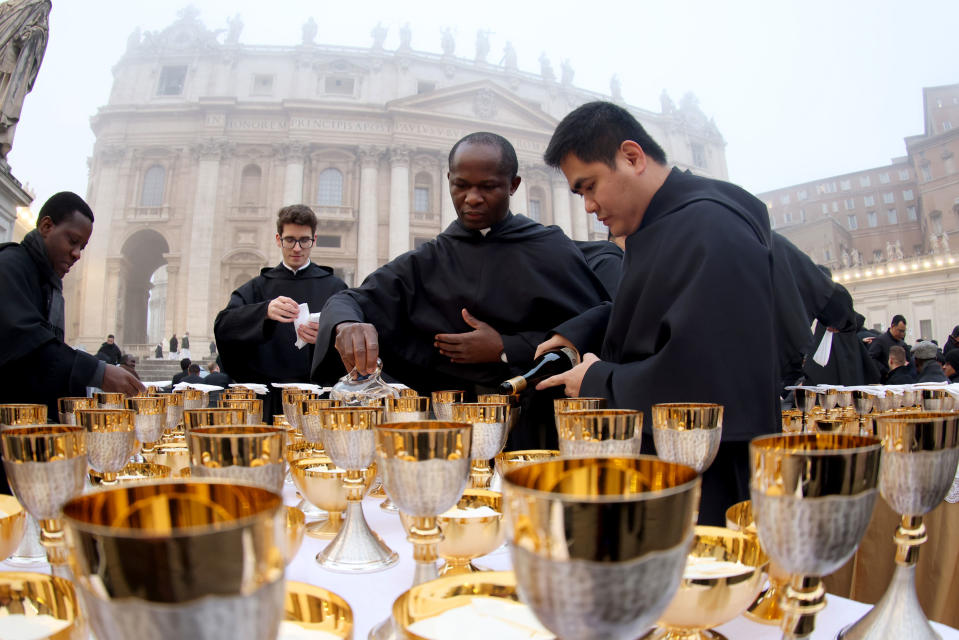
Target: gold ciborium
442,401
812,496
46,466
835,422
252,406
13,519
39,606
110,400
766,608
111,440
175,455
724,572
608,534
321,483
471,529
15,415
67,407
425,466
509,460
688,432
490,427
920,452
406,408
792,421
134,472
150,420
249,454
309,609
194,399
349,440
176,559
193,418
600,432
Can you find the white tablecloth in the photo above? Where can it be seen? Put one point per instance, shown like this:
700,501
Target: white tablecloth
371,595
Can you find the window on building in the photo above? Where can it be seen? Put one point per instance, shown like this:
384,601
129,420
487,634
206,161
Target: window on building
935,219
250,185
801,194
419,241
787,217
871,219
329,190
892,216
802,215
911,213
850,204
852,222
784,199
827,254
536,199
151,195
262,84
699,154
926,173
825,207
946,125
904,174
421,199
425,87
864,181
917,249
907,194
869,200
925,329
172,81
339,86
884,178
329,242
888,198
877,255
835,207
845,185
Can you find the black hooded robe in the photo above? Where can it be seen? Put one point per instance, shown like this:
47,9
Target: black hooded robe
693,321
521,278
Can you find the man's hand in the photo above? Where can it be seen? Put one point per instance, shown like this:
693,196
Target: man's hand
483,344
308,331
555,342
119,380
572,379
358,345
282,309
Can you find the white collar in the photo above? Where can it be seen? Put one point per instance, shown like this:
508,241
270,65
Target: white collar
485,231
296,270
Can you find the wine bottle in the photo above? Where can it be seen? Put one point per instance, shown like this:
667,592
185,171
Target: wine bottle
549,364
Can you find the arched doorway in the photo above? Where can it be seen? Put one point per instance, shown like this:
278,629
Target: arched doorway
143,254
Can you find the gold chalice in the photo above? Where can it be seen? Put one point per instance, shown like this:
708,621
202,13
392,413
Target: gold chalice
46,466
250,454
149,420
296,449
471,529
194,399
110,400
178,559
321,483
600,432
30,550
348,436
509,460
599,544
835,423
490,428
936,400
724,572
193,418
252,406
309,418
425,466
766,608
66,407
442,400
920,452
812,496
688,432
174,411
792,421
13,520
39,606
805,402
292,410
502,398
175,455
828,398
295,528
406,408
111,439
312,609
133,472
16,415
239,393
577,404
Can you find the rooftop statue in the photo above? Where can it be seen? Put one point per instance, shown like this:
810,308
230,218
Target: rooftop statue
23,41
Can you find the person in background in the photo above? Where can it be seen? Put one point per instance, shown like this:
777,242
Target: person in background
185,345
952,340
951,366
184,365
193,375
899,372
109,351
174,346
129,362
158,352
926,364
894,335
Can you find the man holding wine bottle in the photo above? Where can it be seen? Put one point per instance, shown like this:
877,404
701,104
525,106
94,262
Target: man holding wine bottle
693,320
467,309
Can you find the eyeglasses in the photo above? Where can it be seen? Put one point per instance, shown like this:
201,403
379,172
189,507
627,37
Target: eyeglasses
289,242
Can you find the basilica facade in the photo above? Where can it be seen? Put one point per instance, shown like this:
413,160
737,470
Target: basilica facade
204,138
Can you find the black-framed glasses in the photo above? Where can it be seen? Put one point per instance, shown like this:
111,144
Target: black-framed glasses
305,242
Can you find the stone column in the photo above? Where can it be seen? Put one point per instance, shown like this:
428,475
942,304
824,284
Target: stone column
561,214
172,319
519,202
447,210
200,268
367,230
579,216
293,153
114,302
399,201
107,203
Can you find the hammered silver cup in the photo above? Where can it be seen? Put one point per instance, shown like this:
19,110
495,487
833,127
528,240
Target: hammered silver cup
600,432
688,432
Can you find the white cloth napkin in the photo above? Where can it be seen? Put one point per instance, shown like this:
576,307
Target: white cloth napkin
180,386
304,317
821,357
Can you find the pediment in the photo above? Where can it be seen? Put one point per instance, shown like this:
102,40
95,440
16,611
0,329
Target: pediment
482,101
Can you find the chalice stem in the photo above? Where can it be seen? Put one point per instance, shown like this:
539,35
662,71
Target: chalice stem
805,597
425,535
480,474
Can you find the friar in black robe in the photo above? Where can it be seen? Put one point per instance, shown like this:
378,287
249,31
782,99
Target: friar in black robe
520,277
606,261
254,348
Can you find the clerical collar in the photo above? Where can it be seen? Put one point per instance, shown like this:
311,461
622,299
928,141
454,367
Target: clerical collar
485,231
295,271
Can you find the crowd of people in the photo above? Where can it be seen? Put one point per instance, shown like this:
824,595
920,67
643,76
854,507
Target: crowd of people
694,298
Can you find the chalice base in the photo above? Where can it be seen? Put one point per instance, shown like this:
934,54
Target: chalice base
766,609
897,615
356,548
383,631
309,511
459,569
30,551
661,633
324,529
387,505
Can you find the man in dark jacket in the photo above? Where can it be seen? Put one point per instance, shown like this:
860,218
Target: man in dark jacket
184,365
879,348
109,351
951,366
35,364
929,368
899,372
174,346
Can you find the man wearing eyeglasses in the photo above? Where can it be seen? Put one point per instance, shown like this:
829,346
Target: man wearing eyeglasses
255,333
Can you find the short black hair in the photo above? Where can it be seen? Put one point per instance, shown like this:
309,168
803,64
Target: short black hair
594,133
61,206
295,214
127,357
897,354
509,165
194,369
110,335
185,364
896,319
